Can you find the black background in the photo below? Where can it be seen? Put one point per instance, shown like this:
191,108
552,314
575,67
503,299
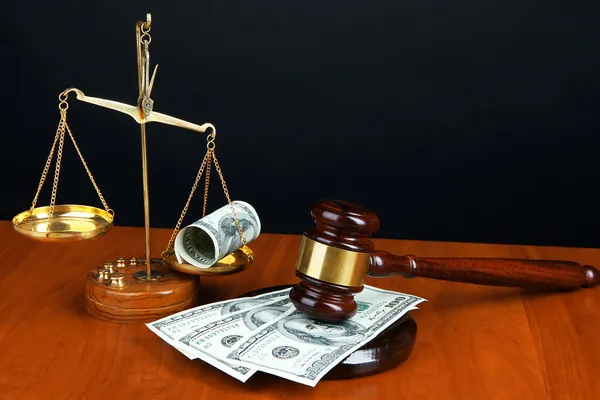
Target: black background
453,120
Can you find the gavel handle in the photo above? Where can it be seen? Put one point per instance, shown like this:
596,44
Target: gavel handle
487,271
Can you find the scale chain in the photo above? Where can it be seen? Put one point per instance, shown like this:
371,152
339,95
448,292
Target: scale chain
47,166
187,204
207,180
210,155
60,138
58,162
218,168
88,170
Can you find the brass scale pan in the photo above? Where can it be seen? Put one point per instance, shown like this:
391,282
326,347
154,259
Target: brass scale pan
69,223
73,222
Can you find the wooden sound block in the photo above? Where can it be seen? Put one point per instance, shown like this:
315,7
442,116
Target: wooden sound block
121,292
388,350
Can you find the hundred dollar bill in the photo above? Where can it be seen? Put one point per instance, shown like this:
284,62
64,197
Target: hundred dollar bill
174,326
214,341
302,349
211,238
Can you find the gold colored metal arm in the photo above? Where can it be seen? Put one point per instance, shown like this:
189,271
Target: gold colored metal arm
167,119
134,112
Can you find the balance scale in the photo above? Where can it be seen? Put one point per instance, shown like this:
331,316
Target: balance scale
130,289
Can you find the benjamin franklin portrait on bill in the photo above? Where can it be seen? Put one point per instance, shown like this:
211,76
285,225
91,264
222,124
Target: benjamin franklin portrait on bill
307,330
229,236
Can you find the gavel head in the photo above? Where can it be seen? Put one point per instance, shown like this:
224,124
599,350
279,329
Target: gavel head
333,260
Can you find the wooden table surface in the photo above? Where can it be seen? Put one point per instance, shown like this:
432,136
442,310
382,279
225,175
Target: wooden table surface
473,342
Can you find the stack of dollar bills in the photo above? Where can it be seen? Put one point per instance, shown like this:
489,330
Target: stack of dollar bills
266,333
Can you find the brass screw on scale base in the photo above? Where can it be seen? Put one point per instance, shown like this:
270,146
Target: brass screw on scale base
109,274
103,275
117,280
112,274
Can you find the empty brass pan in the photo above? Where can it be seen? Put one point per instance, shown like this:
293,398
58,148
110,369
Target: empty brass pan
69,222
232,263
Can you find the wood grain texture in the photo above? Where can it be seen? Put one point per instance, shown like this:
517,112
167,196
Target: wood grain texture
474,342
511,272
324,300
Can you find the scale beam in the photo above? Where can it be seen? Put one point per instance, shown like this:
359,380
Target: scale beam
143,113
135,113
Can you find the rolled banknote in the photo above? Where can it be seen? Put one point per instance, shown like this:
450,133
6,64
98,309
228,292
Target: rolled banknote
206,241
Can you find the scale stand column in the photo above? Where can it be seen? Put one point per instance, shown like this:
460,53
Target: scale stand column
148,274
146,201
139,290
145,105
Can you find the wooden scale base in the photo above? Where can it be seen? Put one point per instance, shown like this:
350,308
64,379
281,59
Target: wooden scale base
121,292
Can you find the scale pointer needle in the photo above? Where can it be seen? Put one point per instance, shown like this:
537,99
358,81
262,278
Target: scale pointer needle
152,81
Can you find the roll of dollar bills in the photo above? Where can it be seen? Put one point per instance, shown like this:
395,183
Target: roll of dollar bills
206,241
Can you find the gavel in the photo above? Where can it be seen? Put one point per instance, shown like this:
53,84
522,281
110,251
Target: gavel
336,255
